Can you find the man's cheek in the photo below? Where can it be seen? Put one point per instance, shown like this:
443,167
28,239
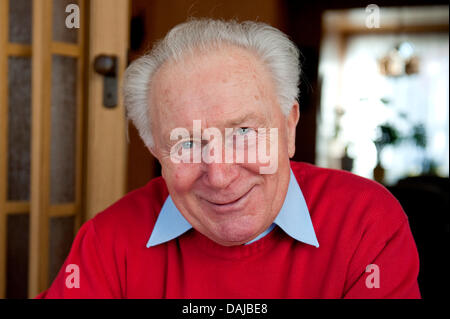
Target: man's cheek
182,176
268,152
252,167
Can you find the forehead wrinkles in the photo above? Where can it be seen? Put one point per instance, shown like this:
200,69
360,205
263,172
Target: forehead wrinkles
238,73
229,62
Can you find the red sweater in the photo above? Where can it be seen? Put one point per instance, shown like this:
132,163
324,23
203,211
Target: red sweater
357,223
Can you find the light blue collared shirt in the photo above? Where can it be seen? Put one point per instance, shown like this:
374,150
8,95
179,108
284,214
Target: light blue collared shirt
293,219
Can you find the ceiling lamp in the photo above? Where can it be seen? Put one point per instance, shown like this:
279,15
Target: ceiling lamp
400,61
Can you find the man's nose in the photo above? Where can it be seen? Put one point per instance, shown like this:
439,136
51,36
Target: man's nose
220,175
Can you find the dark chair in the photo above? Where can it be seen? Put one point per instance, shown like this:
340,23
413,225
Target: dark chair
425,200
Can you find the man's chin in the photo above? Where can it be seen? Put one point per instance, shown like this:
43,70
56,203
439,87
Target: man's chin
235,237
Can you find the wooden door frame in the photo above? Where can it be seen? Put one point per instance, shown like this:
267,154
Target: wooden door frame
101,137
106,142
41,210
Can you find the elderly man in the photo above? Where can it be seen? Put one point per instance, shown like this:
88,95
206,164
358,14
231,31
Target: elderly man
227,219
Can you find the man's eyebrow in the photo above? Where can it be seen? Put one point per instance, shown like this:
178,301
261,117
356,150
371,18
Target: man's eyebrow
244,118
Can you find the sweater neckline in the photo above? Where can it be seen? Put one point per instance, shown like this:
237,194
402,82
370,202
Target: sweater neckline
243,251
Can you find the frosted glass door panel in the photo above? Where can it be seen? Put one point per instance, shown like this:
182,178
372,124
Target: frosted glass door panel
63,129
17,255
61,33
61,237
19,109
20,19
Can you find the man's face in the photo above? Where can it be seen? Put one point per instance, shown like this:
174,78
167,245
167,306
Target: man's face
230,203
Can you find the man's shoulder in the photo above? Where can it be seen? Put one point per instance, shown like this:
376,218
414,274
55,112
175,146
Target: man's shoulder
311,177
307,170
136,212
346,192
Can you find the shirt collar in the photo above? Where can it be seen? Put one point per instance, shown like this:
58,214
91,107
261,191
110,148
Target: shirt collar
293,218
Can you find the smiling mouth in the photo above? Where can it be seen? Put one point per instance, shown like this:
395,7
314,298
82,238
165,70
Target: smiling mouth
234,204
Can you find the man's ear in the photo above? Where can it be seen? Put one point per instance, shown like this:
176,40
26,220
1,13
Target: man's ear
152,150
292,121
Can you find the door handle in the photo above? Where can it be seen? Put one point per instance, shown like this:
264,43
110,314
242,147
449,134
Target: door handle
106,65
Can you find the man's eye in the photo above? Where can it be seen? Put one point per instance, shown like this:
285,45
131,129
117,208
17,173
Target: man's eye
187,145
243,130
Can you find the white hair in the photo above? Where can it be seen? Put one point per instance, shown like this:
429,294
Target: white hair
276,51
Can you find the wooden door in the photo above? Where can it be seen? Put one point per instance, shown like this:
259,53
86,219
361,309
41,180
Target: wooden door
62,153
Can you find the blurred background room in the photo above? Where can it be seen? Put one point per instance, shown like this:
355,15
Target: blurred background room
374,100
